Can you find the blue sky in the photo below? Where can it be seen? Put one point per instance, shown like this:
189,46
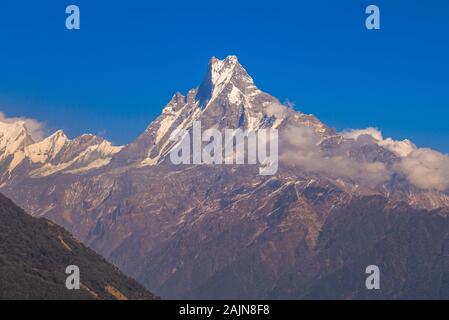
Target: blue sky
115,74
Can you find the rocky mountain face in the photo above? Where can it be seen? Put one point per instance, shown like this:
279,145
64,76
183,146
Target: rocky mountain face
34,254
337,202
409,246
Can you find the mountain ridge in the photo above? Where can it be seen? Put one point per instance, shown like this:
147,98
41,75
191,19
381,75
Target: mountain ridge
183,230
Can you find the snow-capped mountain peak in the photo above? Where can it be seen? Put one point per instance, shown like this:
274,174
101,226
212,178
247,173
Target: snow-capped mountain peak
13,136
56,153
225,76
222,70
48,148
227,98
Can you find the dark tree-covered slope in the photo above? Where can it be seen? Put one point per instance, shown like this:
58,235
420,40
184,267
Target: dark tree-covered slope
34,254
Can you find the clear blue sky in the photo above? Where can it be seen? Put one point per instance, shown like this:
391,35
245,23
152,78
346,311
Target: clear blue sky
115,75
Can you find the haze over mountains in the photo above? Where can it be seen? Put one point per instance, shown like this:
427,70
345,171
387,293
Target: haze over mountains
338,201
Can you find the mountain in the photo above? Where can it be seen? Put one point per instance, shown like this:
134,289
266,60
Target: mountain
225,231
13,137
410,247
227,98
34,254
54,154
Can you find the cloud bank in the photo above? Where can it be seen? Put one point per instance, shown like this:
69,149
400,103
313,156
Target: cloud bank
422,167
279,110
401,148
426,169
301,148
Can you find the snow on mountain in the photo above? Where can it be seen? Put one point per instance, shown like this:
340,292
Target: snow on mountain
47,149
13,137
223,73
230,99
154,143
25,148
53,154
93,157
227,98
150,217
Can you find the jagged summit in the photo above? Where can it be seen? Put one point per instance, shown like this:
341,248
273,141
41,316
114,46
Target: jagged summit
226,98
219,67
169,225
222,75
56,153
13,136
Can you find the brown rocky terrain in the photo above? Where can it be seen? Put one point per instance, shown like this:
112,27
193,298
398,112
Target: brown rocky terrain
336,204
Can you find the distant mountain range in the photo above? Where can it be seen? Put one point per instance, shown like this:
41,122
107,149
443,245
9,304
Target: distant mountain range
339,200
34,255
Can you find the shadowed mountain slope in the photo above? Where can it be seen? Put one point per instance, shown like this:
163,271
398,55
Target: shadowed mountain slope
34,254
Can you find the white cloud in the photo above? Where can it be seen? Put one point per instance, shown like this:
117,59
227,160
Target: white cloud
279,110
300,147
425,168
36,129
400,148
355,134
